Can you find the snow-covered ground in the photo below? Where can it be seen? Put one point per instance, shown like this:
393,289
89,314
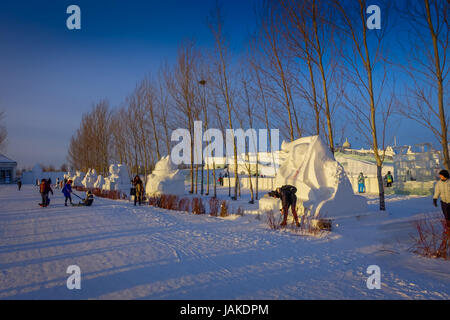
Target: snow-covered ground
127,252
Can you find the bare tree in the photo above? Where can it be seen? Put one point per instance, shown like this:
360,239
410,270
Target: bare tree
365,52
90,146
181,83
428,69
277,63
223,82
3,132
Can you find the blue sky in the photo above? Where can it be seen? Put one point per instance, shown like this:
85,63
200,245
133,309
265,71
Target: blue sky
49,75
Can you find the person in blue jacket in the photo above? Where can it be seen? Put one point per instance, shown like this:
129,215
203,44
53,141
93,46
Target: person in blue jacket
67,190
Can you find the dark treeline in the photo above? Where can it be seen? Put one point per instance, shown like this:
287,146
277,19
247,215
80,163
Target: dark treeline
311,67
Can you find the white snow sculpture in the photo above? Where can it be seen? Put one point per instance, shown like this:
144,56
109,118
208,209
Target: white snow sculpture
90,178
100,182
165,179
77,180
118,179
323,188
69,175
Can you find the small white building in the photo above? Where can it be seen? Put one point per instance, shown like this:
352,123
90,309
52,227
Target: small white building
7,170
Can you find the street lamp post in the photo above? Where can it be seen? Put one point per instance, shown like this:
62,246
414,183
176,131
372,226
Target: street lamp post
203,83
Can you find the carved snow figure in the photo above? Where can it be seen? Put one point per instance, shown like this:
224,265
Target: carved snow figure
90,178
118,179
323,188
100,182
77,180
165,179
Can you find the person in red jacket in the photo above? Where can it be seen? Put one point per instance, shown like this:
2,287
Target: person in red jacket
44,189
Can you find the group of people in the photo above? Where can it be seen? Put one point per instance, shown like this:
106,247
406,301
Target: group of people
45,188
287,194
388,179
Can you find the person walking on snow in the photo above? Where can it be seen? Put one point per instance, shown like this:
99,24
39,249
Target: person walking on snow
48,190
137,182
45,189
42,188
67,190
442,190
19,184
361,183
389,179
288,199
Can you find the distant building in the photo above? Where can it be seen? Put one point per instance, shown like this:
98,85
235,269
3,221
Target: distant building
36,174
7,170
417,163
346,144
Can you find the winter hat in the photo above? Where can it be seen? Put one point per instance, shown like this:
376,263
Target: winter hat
444,173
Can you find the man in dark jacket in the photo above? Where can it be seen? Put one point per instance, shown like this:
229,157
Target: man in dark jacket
137,182
48,189
42,189
288,199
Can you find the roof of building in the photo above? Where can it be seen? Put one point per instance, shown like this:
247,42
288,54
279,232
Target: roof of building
4,159
346,144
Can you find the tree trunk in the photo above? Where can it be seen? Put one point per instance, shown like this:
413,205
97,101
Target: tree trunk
381,188
439,80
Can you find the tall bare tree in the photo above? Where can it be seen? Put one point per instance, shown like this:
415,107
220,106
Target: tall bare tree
3,132
428,68
216,22
181,84
365,53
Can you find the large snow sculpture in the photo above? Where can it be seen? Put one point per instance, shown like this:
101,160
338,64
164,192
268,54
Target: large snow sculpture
77,180
323,188
90,178
165,179
118,179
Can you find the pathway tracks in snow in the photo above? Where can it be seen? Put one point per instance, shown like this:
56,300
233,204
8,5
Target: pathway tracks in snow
131,252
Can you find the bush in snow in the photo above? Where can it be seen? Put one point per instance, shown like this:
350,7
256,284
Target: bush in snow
273,220
213,207
197,206
432,239
184,204
224,209
239,212
169,202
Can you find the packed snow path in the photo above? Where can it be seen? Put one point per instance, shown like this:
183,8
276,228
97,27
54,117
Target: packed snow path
127,252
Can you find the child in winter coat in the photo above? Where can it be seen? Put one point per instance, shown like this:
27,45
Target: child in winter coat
67,190
361,183
389,179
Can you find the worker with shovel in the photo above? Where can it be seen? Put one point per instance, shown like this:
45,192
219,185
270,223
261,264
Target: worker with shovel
288,199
